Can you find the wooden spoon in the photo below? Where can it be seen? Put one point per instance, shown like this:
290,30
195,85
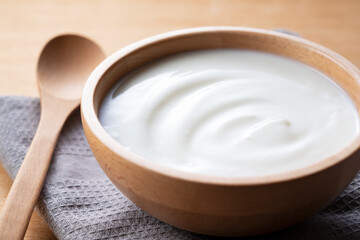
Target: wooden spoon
63,67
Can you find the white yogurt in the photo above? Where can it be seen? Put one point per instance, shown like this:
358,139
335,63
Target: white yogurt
230,113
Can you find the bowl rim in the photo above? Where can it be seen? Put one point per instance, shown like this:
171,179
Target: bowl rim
92,122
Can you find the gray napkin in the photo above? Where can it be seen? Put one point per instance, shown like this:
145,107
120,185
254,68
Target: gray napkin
79,202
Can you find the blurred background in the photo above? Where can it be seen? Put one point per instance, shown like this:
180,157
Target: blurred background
25,26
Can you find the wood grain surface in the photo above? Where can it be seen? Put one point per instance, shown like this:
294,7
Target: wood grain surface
25,26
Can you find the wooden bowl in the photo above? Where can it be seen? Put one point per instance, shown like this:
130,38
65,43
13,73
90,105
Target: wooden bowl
216,205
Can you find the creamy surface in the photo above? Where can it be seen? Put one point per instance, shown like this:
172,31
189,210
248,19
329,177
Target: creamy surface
230,113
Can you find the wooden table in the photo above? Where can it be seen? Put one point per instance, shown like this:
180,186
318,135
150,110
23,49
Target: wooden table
25,26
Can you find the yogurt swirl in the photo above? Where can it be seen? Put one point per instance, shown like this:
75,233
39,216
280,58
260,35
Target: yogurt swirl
230,113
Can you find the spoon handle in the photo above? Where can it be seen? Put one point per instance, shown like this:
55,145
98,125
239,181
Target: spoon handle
25,190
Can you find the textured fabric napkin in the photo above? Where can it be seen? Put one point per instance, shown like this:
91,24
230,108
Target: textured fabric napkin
79,202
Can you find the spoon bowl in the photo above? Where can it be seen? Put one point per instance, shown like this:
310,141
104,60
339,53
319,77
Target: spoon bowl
72,58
